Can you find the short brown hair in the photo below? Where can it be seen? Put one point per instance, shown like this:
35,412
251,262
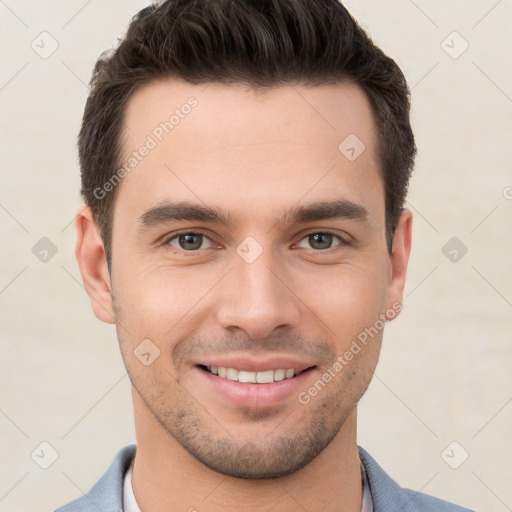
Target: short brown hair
262,43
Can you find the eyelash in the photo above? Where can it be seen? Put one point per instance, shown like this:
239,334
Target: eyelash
168,240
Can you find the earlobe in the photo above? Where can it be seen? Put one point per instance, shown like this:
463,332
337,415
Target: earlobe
399,259
90,254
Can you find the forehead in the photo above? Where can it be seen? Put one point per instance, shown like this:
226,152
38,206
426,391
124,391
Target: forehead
243,114
215,142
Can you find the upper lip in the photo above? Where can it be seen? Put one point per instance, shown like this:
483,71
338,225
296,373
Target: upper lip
252,364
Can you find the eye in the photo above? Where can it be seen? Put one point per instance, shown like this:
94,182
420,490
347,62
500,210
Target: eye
192,241
189,241
321,240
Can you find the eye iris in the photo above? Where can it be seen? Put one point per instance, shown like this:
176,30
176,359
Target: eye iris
193,241
187,241
323,239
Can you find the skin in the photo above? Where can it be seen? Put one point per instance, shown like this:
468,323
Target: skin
255,155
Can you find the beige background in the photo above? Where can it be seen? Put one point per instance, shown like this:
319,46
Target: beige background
445,370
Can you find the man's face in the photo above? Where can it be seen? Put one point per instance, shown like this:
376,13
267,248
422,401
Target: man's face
273,282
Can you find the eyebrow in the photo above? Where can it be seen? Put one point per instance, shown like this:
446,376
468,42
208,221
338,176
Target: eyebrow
178,211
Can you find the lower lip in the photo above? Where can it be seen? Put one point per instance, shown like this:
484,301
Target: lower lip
256,396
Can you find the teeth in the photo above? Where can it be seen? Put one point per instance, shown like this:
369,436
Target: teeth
246,376
279,374
265,377
232,374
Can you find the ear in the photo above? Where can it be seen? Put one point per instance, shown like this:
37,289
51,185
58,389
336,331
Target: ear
399,260
90,254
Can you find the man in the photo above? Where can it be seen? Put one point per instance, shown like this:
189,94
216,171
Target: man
245,166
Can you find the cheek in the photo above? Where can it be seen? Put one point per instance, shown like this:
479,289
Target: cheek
350,300
156,302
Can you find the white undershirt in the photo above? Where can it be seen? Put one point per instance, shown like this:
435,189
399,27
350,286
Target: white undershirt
130,503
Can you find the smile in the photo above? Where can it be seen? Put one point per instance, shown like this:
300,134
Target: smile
255,384
263,377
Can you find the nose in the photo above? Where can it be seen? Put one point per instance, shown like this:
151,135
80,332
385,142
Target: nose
258,298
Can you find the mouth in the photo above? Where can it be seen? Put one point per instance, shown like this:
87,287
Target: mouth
254,377
255,383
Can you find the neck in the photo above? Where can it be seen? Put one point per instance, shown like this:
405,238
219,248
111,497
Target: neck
166,477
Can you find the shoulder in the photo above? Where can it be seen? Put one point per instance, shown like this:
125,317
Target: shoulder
419,501
107,494
387,495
